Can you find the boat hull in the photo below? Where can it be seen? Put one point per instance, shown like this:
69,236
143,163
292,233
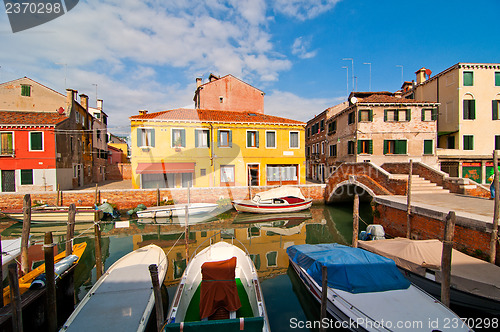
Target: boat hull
176,210
57,216
252,207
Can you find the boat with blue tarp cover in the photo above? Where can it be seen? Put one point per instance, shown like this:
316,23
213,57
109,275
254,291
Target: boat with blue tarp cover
366,291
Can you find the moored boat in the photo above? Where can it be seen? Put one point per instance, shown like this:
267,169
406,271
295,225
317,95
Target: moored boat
178,210
219,291
366,292
45,214
11,249
277,200
474,282
122,299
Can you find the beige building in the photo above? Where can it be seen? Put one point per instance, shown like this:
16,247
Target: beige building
468,120
382,127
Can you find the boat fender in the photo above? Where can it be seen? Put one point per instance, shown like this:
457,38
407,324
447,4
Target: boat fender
59,268
242,323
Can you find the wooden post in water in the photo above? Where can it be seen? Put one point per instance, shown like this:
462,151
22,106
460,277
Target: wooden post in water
15,299
1,270
157,195
70,229
355,221
95,195
26,233
50,281
324,293
408,201
449,232
98,256
61,200
153,271
58,189
494,233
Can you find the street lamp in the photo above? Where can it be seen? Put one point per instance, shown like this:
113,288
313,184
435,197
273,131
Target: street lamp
370,80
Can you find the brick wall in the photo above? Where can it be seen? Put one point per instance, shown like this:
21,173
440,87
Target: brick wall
120,171
130,198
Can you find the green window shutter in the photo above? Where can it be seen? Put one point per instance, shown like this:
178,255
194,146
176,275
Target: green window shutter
36,141
400,147
196,133
218,138
428,146
385,115
26,176
230,138
139,137
408,115
422,115
472,109
497,79
152,138
494,110
466,110
257,139
385,146
249,139
183,138
209,137
468,78
370,146
497,142
468,142
360,146
396,115
370,115
434,115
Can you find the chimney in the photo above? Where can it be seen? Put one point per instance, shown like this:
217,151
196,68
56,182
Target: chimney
420,75
398,94
84,101
70,95
143,112
198,82
99,104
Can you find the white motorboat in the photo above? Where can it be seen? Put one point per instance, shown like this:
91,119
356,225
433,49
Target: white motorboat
122,299
277,200
11,249
178,210
366,292
219,290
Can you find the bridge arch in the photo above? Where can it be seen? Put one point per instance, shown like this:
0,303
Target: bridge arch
345,191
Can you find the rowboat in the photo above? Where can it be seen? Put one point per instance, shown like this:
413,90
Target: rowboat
122,299
474,282
11,249
277,200
178,210
45,214
219,291
366,292
26,281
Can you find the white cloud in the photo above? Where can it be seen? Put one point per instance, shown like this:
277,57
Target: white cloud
300,46
304,9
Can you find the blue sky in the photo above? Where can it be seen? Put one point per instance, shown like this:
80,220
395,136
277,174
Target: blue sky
147,54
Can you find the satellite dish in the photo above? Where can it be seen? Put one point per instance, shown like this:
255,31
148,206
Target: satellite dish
354,100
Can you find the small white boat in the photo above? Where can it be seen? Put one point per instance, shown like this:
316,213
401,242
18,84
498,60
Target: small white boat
474,282
219,289
178,210
11,249
45,214
122,299
277,200
366,292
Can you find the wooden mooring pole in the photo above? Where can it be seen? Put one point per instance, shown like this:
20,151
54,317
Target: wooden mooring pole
157,195
408,200
58,190
25,236
449,232
50,282
70,229
98,255
355,221
324,293
153,271
15,299
494,232
1,270
95,195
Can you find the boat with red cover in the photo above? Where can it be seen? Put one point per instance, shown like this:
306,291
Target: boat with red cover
278,200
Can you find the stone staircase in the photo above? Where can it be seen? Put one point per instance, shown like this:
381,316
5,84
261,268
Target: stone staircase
420,185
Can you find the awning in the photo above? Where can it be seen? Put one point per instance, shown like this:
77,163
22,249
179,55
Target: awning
155,168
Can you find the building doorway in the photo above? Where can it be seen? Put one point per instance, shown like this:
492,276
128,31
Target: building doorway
253,175
8,181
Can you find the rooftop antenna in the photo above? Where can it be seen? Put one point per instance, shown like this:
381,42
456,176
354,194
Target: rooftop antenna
352,70
347,85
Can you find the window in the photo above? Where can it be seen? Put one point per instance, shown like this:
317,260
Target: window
308,132
98,133
6,143
365,116
227,174
350,147
497,78
281,173
494,109
145,137
322,147
468,142
26,176
272,258
428,146
333,150
468,78
429,114
365,146
179,138
26,90
332,127
497,142
203,171
322,125
225,138
202,138
294,140
450,142
397,115
350,118
315,128
252,139
270,139
36,141
394,146
469,109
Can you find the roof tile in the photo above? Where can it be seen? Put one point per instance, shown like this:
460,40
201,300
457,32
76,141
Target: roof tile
30,118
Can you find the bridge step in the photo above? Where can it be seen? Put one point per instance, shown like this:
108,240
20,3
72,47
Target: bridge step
422,186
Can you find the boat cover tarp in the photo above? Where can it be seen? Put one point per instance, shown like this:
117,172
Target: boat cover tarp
251,324
218,287
350,269
279,192
468,274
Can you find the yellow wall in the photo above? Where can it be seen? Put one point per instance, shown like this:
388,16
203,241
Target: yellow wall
238,155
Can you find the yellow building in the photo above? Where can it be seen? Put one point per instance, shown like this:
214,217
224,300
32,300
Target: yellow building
211,148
